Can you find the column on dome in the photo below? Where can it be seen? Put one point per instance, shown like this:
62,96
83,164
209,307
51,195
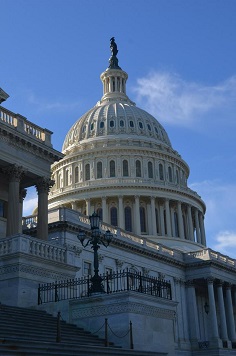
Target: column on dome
168,221
230,313
192,312
190,223
198,236
22,196
104,210
43,185
179,314
137,215
74,205
153,214
14,174
162,220
172,216
180,220
202,229
121,212
212,311
223,325
88,207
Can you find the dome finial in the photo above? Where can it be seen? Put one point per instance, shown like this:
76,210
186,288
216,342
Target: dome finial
113,60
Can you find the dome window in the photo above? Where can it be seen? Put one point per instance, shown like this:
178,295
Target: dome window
128,219
122,123
101,124
170,174
112,123
92,126
76,174
99,170
84,128
140,124
131,123
87,171
161,172
150,170
156,130
112,169
149,127
138,168
113,214
125,168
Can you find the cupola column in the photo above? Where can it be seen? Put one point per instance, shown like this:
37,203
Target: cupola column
153,213
190,223
198,237
137,215
121,213
88,207
180,220
168,222
162,221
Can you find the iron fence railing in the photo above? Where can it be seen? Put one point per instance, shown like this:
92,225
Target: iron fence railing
112,283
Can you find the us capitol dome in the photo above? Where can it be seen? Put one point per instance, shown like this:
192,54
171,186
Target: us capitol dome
119,162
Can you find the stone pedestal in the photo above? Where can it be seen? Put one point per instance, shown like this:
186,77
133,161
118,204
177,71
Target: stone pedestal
153,319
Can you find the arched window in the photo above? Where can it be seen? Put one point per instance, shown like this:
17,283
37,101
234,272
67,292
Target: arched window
112,123
66,177
125,168
150,170
161,172
112,169
177,177
87,171
138,168
99,213
142,219
128,219
170,174
99,170
122,124
101,124
76,174
113,213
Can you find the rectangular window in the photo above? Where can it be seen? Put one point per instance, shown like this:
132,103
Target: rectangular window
87,270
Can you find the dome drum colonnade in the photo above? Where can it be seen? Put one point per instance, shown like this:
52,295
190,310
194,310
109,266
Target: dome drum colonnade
120,162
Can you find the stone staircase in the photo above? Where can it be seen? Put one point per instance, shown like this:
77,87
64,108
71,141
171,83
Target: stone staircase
29,332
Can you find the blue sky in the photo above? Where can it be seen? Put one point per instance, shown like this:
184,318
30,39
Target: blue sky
181,61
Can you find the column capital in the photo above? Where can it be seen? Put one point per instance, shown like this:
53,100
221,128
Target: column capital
44,184
190,283
210,280
23,193
228,285
14,172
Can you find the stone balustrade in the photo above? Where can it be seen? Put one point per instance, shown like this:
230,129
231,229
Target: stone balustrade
22,125
208,254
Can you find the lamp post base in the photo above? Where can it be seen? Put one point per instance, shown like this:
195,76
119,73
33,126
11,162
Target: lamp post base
97,285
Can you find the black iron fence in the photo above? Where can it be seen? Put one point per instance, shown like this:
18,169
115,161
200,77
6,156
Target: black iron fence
112,283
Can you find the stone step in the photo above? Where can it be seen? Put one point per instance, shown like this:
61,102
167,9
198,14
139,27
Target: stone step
23,347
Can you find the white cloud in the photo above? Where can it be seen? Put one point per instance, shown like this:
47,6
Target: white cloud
175,101
30,202
226,241
43,105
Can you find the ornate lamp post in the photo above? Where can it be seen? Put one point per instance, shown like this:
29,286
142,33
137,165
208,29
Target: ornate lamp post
95,240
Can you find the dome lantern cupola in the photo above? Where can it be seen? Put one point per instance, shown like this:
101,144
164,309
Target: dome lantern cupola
114,78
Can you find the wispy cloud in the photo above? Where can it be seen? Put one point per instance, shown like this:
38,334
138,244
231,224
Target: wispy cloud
176,101
41,104
226,242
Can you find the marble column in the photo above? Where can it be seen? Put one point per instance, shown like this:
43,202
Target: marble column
153,214
43,185
223,326
14,174
180,220
74,205
192,312
162,221
88,207
212,307
137,216
202,229
23,193
198,237
190,223
104,210
168,222
230,313
121,213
